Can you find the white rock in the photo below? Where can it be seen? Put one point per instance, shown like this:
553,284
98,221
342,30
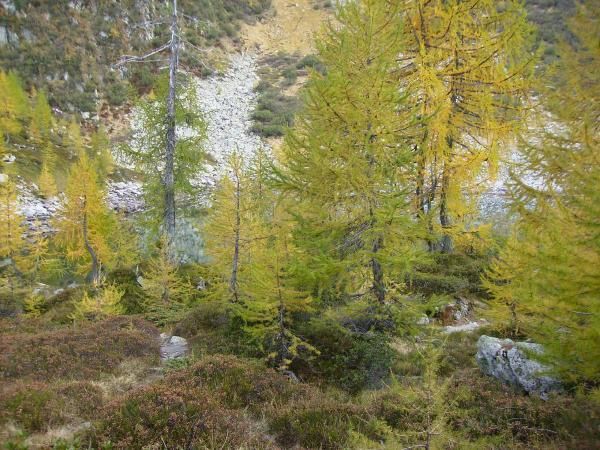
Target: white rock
467,328
172,347
507,361
423,320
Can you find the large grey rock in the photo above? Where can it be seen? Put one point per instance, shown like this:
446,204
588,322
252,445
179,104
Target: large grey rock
172,347
507,361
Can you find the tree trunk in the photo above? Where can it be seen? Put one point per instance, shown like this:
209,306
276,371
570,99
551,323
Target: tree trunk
378,284
94,274
446,240
169,174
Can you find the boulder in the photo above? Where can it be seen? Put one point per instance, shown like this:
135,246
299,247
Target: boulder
509,362
172,347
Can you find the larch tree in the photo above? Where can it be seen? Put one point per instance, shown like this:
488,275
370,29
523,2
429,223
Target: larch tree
103,303
546,282
101,152
249,243
466,67
85,225
12,242
229,229
147,152
40,131
13,108
40,127
345,164
166,291
273,294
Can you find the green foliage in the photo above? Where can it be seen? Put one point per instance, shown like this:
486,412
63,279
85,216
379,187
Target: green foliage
105,303
14,106
455,274
471,96
343,165
132,300
12,248
312,423
249,240
545,282
101,152
275,108
36,407
41,119
72,62
147,149
166,292
86,224
352,358
211,403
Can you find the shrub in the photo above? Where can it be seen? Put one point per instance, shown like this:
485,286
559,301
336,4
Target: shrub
200,406
245,383
311,61
77,353
178,415
486,408
133,295
454,273
60,307
316,423
117,93
351,361
37,406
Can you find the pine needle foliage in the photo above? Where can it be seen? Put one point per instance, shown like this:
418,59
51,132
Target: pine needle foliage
12,242
147,149
546,282
85,225
249,241
103,304
101,152
166,292
40,127
467,68
344,164
13,108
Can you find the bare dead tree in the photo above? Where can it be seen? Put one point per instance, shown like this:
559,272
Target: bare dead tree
173,46
169,174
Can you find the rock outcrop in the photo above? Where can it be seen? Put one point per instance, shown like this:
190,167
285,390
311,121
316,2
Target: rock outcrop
509,362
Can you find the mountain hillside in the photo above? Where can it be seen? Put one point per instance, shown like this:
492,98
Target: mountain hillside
299,224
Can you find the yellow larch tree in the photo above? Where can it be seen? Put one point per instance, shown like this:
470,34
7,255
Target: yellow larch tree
85,224
546,281
466,67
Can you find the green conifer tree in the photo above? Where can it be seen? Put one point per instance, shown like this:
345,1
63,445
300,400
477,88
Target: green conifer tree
41,124
546,281
13,105
249,241
147,150
167,293
345,164
104,303
101,152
